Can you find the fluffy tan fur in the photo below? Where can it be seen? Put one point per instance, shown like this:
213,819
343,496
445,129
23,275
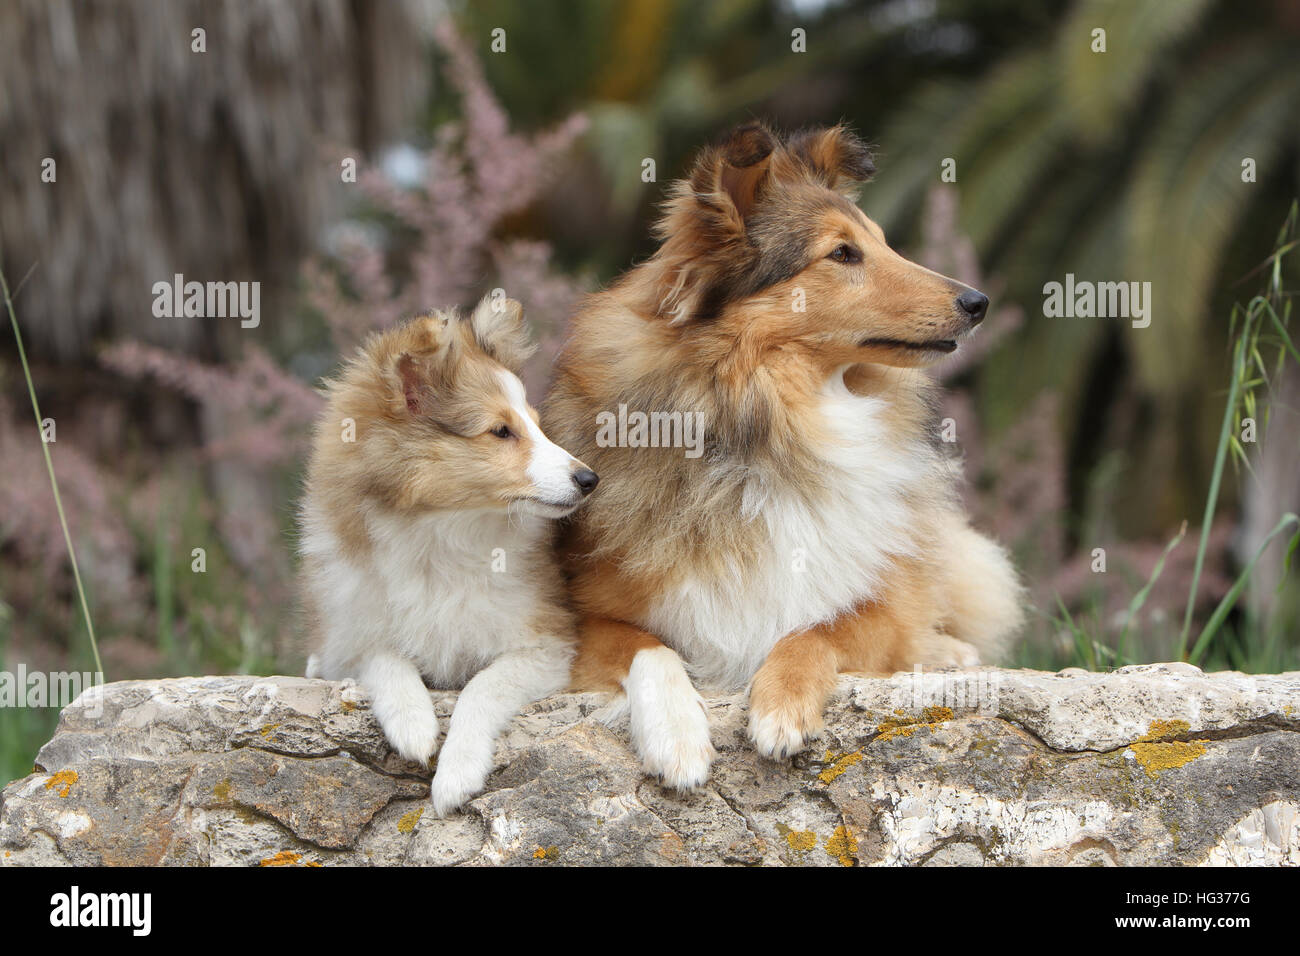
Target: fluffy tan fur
427,537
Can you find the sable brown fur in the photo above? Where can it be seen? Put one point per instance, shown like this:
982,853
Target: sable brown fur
709,325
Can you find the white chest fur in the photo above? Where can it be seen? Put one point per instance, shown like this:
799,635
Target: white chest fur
447,592
819,557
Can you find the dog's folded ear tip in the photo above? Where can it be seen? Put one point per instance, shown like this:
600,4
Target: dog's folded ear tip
748,144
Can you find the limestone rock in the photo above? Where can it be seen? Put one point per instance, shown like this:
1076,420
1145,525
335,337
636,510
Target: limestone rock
1157,764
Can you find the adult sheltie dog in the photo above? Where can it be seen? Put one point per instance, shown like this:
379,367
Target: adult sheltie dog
817,530
427,537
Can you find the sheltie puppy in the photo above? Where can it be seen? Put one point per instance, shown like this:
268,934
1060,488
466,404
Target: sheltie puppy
816,529
427,538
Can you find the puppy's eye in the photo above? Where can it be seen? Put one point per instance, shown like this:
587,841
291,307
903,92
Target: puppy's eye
845,253
502,431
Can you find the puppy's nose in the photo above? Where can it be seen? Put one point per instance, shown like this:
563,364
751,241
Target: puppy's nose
586,480
974,304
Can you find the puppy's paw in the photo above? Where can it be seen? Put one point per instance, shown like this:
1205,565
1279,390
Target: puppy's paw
669,723
781,729
414,737
463,768
453,784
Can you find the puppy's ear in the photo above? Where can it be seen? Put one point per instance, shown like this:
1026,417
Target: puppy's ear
414,372
499,330
729,178
424,362
836,156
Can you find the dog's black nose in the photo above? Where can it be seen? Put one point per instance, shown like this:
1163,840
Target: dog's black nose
974,304
586,480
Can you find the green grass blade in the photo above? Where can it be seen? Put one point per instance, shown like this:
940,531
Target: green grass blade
49,467
1220,456
1230,599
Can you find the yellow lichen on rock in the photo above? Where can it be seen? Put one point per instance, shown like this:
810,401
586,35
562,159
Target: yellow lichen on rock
838,765
843,846
1158,750
931,717
408,821
802,840
283,858
1155,757
64,780
546,853
1165,730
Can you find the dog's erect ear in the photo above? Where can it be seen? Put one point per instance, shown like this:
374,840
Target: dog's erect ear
707,253
728,178
704,223
835,155
498,326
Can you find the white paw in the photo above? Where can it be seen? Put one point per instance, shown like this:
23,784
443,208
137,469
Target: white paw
414,736
680,753
460,775
669,724
780,733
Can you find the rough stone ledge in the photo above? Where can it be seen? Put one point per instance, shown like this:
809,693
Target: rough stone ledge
1156,764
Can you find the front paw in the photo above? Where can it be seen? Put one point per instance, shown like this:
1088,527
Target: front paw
461,774
669,723
678,751
452,786
782,728
414,737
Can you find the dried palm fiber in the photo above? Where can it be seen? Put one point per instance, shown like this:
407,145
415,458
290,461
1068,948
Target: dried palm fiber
217,165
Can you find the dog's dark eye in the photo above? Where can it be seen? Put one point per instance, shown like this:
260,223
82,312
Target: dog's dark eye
502,431
845,253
